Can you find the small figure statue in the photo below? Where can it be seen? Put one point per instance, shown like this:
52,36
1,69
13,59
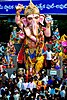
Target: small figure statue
56,34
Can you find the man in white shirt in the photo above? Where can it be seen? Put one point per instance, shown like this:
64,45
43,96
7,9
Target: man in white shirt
48,57
62,93
45,79
24,85
13,75
31,84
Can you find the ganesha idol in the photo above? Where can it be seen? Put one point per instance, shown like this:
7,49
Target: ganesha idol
32,34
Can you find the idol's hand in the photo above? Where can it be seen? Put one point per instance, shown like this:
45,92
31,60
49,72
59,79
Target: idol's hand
48,19
20,7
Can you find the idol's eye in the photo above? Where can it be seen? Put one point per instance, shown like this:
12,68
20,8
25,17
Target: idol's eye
29,18
36,17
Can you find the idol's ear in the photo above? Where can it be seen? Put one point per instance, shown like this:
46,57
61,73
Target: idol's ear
24,21
41,19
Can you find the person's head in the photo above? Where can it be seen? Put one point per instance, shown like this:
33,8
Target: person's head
49,77
42,89
48,49
42,82
14,72
63,87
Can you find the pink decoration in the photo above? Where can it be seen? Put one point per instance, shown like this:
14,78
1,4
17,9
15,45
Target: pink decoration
21,35
44,28
64,43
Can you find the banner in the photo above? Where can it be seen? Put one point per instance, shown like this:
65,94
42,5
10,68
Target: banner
7,7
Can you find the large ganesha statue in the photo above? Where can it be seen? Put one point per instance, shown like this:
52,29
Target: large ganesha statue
32,32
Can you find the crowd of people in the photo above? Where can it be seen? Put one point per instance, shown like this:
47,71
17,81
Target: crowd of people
21,86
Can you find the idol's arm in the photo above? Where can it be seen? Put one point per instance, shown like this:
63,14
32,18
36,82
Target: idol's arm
48,21
18,21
